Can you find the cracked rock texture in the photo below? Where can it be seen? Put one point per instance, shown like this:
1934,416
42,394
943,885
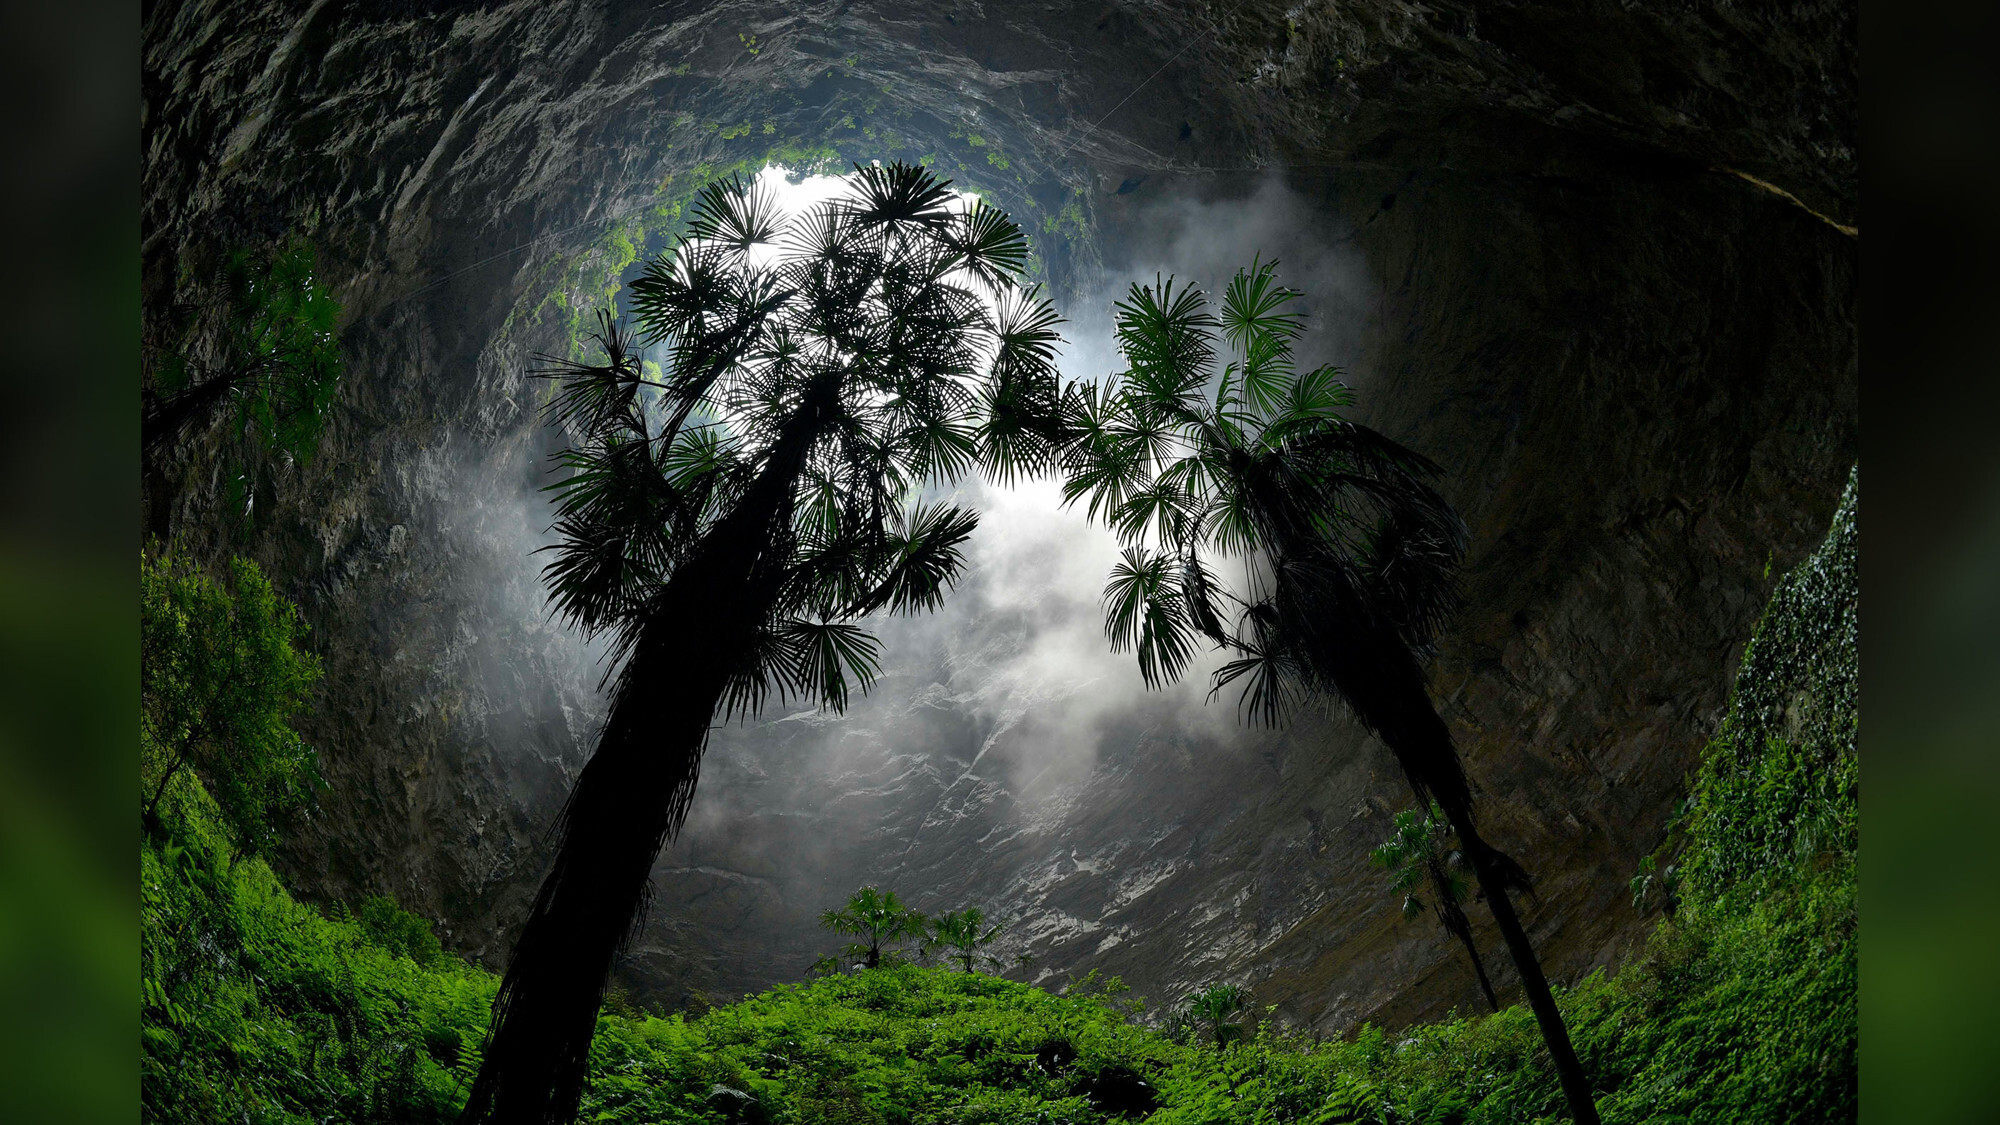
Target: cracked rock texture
1608,288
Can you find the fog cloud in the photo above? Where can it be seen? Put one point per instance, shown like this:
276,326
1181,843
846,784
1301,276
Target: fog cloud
1204,241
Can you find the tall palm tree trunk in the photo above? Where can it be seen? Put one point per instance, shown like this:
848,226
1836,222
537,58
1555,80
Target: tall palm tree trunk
1372,669
630,799
1479,969
1461,928
1495,876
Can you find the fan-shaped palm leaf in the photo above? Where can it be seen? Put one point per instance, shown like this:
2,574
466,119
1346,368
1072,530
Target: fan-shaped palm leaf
992,247
925,554
826,660
1143,613
735,215
900,195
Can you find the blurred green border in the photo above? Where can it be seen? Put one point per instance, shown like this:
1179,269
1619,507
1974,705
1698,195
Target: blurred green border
68,611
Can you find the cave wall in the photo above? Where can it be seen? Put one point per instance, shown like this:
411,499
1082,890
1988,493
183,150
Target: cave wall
1637,364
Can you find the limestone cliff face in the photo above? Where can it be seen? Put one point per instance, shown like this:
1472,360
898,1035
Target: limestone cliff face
1637,365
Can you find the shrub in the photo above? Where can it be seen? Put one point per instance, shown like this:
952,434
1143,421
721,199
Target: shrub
222,678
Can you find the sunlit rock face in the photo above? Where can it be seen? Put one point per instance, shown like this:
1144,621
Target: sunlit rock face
1541,267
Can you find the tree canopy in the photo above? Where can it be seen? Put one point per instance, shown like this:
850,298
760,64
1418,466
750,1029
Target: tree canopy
879,919
1255,463
261,341
223,677
964,936
874,345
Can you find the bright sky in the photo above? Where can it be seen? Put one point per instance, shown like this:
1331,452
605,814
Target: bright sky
796,197
793,197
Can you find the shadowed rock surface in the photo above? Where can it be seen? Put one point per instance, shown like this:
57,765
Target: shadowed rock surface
1637,366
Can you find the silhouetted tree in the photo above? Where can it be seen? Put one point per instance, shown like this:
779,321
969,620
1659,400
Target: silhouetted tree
1349,555
727,521
878,918
1419,853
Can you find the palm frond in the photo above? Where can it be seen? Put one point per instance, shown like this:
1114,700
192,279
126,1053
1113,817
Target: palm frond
1159,507
1142,613
1023,424
1412,565
760,672
593,580
1199,593
1101,460
898,195
992,246
1307,406
825,661
1270,690
735,214
941,449
596,398
1257,322
1165,337
926,554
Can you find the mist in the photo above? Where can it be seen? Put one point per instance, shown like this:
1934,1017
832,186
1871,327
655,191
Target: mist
960,778
1204,240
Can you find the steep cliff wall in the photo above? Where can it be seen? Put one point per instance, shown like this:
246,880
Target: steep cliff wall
1637,364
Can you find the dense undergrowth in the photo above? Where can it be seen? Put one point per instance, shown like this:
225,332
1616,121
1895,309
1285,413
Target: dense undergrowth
1742,1008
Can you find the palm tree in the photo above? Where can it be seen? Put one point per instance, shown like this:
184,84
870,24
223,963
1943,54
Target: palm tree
1348,554
877,918
1215,1006
961,932
726,521
1418,853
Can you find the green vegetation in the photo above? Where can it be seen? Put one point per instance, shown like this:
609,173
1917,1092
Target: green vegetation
259,339
256,1008
1068,222
878,919
1780,784
221,680
961,937
253,1007
1216,1009
881,920
1742,1008
1651,884
1420,852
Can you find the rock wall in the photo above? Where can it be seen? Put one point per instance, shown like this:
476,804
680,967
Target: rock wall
1611,287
